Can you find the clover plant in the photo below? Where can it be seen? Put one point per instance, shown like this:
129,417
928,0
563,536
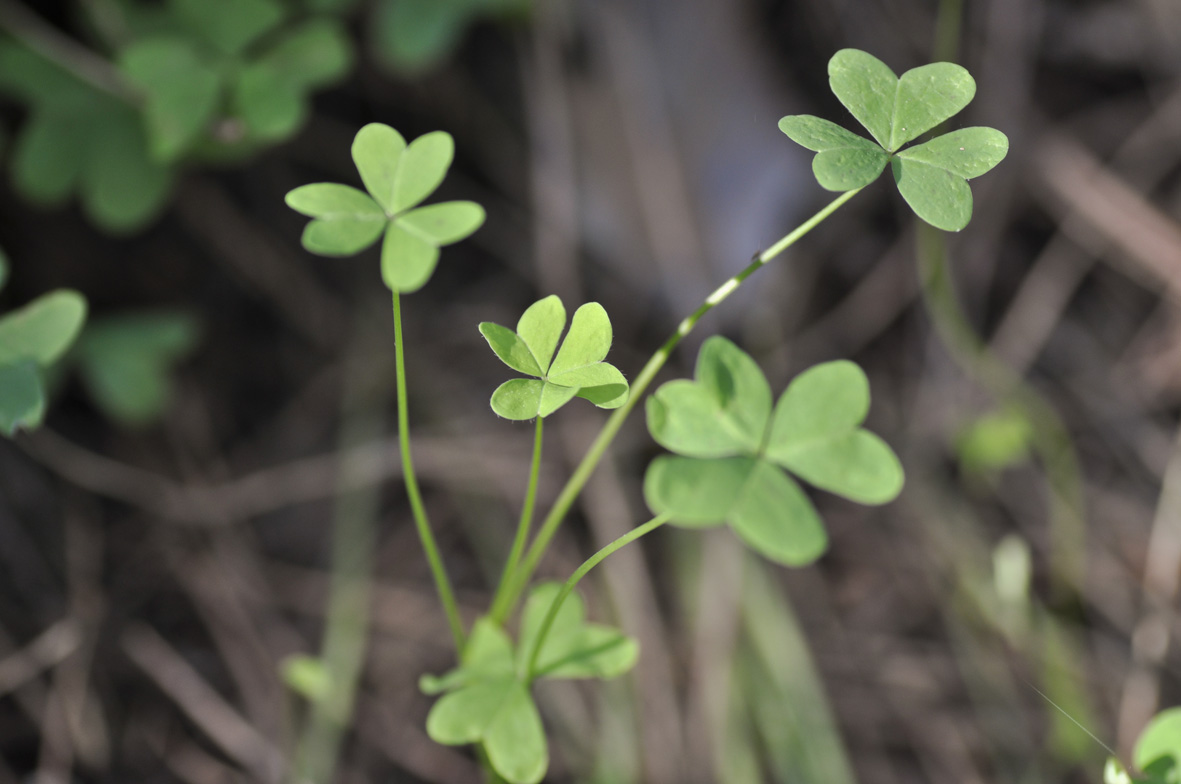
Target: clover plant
1157,753
32,338
736,450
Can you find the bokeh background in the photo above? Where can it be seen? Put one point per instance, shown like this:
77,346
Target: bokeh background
221,441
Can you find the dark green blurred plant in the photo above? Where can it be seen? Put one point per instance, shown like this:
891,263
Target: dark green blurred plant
413,36
200,80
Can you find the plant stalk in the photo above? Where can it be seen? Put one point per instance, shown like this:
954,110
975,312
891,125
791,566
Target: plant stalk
421,523
506,598
526,521
579,573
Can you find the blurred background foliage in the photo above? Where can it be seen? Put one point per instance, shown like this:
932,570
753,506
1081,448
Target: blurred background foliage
166,538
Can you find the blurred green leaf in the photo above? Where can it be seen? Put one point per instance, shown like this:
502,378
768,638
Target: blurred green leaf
308,677
316,53
126,362
995,441
413,36
573,648
1160,740
42,330
229,25
421,168
122,188
22,398
50,155
3,269
269,104
182,92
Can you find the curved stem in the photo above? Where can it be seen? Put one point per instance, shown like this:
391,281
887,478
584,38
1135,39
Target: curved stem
514,556
421,523
579,573
506,597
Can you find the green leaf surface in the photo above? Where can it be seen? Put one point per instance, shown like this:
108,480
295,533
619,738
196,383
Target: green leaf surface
377,152
229,25
844,170
407,260
421,169
22,397
122,188
816,434
269,104
126,362
776,519
1161,739
511,348
444,223
696,492
40,82
601,384
317,53
820,135
867,88
308,677
49,155
936,195
412,36
518,399
181,92
42,330
587,342
573,648
540,326
967,153
927,96
723,413
553,397
347,220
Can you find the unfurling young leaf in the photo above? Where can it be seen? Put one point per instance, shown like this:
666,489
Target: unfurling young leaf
398,177
732,448
932,176
578,370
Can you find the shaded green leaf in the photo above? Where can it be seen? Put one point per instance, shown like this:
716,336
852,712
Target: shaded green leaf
316,53
853,167
776,519
816,434
421,168
518,398
181,92
377,153
1161,739
444,223
407,260
3,268
936,195
573,648
967,153
22,398
866,87
126,362
269,104
696,492
553,397
415,35
347,220
41,82
540,326
42,330
927,96
122,188
308,677
995,441
229,25
49,155
819,135
601,384
511,348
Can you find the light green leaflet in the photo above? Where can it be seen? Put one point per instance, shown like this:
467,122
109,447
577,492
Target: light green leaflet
732,448
1157,752
578,370
932,177
398,176
31,338
487,698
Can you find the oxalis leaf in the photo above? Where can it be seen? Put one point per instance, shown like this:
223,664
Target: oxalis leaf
932,177
486,699
1158,750
578,370
733,448
398,177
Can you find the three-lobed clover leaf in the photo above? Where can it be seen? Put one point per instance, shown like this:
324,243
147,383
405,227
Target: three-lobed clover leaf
932,177
31,338
578,370
398,177
733,445
1158,749
487,700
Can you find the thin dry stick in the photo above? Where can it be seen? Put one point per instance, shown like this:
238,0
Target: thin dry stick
46,650
204,706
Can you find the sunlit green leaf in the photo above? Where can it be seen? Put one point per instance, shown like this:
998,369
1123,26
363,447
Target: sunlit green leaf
42,330
587,341
511,348
181,91
518,399
553,397
22,398
776,519
696,492
421,168
407,260
444,223
867,88
967,153
377,152
347,220
936,195
1161,739
844,160
927,96
540,326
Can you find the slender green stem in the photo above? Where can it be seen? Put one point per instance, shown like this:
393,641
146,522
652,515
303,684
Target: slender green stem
421,523
522,535
579,573
509,592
